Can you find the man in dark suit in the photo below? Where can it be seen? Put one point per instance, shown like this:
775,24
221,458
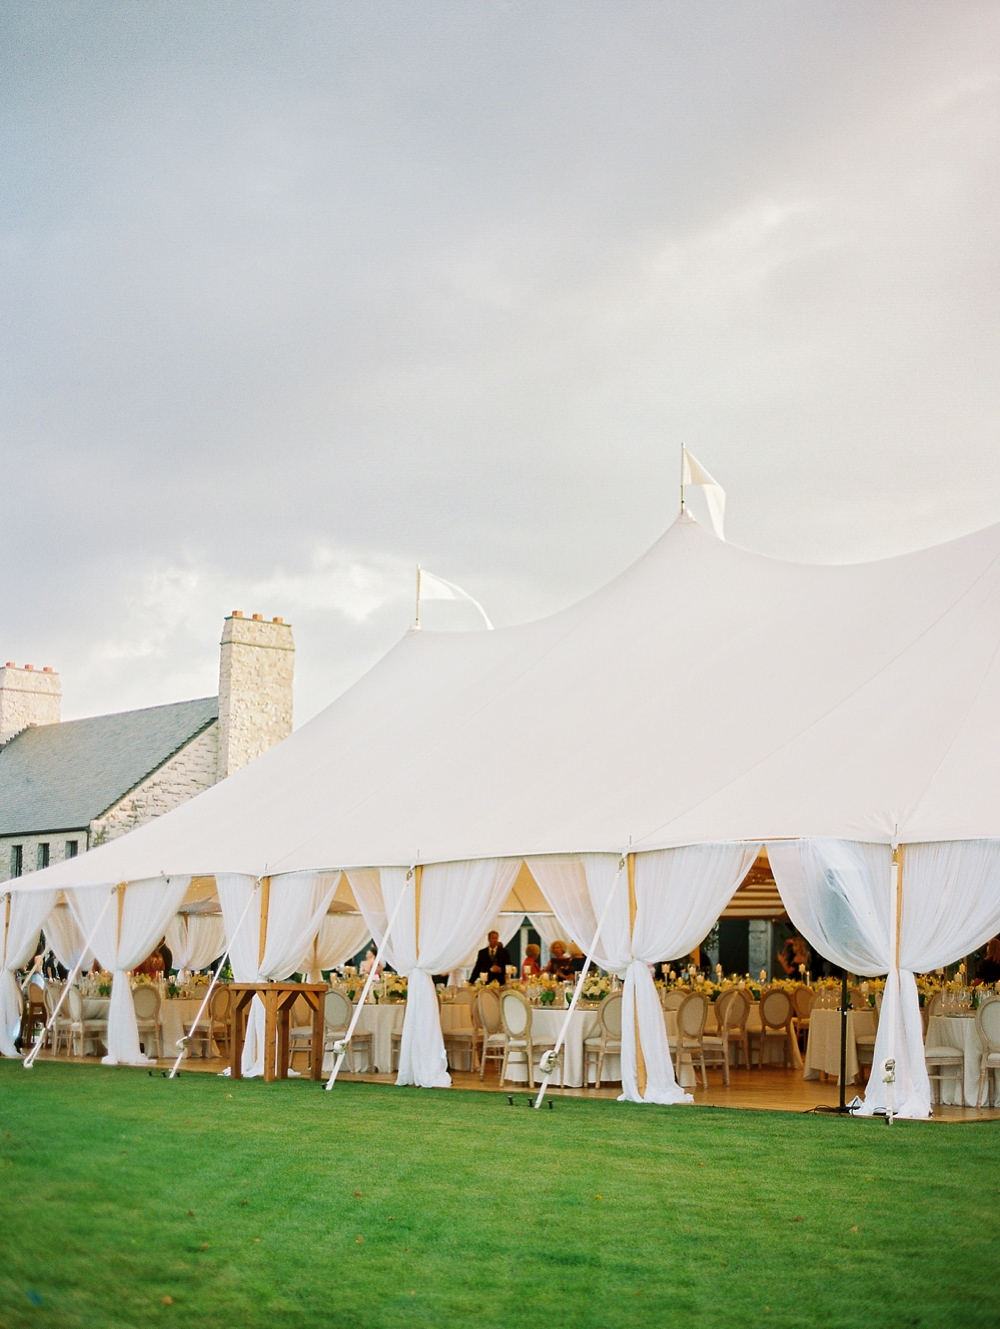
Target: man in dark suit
492,961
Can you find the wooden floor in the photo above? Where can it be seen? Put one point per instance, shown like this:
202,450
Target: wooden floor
769,1090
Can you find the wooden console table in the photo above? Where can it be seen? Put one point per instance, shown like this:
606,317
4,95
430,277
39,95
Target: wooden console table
278,999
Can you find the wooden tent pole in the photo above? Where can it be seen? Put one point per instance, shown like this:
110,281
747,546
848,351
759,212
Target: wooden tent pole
899,901
6,926
418,875
640,1060
120,888
265,902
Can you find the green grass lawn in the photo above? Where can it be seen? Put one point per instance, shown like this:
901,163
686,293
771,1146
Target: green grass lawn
248,1204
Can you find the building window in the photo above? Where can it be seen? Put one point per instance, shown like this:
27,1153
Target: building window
43,856
16,859
71,848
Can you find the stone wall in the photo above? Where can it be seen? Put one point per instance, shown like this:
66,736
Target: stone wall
27,696
29,849
188,772
256,667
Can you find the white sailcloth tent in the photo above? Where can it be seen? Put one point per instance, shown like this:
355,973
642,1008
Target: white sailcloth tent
708,696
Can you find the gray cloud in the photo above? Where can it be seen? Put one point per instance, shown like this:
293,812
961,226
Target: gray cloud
297,295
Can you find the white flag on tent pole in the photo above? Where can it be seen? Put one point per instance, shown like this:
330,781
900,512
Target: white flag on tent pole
430,587
693,473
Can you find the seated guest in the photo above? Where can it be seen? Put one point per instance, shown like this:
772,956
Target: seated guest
576,956
989,965
531,967
560,965
367,962
492,961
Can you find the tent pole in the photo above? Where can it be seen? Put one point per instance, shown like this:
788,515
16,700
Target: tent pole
682,477
265,904
416,621
418,878
182,1043
29,1060
889,1066
549,1059
342,1044
640,1060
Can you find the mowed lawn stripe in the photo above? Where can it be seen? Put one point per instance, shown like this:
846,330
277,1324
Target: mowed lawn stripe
133,1200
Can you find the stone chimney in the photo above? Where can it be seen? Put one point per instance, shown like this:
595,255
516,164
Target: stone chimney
28,696
256,664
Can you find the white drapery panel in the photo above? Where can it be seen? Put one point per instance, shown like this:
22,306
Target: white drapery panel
839,893
339,937
22,914
66,940
298,902
239,897
548,928
679,893
195,940
457,901
125,937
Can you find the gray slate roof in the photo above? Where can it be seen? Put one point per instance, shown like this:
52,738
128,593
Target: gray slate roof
59,777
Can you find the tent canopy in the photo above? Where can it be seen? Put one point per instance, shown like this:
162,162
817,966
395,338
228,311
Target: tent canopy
706,694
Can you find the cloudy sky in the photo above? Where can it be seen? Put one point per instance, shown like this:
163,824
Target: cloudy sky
297,295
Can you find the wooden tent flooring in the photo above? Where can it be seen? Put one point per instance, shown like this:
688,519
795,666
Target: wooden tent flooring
770,1090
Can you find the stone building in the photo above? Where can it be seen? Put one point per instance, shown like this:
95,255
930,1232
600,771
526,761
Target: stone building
66,787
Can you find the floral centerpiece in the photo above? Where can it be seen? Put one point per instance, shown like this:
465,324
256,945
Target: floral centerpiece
97,985
394,987
595,987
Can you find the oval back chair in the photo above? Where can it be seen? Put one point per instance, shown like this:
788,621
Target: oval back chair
776,1016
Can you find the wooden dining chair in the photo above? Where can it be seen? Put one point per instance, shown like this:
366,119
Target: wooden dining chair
493,1039
691,1016
802,1000
988,1029
777,1020
609,1040
516,1015
337,1015
146,1002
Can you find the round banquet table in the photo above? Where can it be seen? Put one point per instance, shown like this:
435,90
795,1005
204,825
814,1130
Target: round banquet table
823,1043
545,1026
175,1013
958,1031
385,1019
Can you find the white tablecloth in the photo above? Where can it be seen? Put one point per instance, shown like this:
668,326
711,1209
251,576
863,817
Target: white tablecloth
175,1013
545,1026
385,1019
958,1031
823,1044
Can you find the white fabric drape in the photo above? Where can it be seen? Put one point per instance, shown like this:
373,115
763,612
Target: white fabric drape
125,937
548,928
457,901
339,937
28,911
195,940
66,940
840,894
298,902
679,893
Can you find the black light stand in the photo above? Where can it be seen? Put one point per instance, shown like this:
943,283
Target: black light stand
842,1110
